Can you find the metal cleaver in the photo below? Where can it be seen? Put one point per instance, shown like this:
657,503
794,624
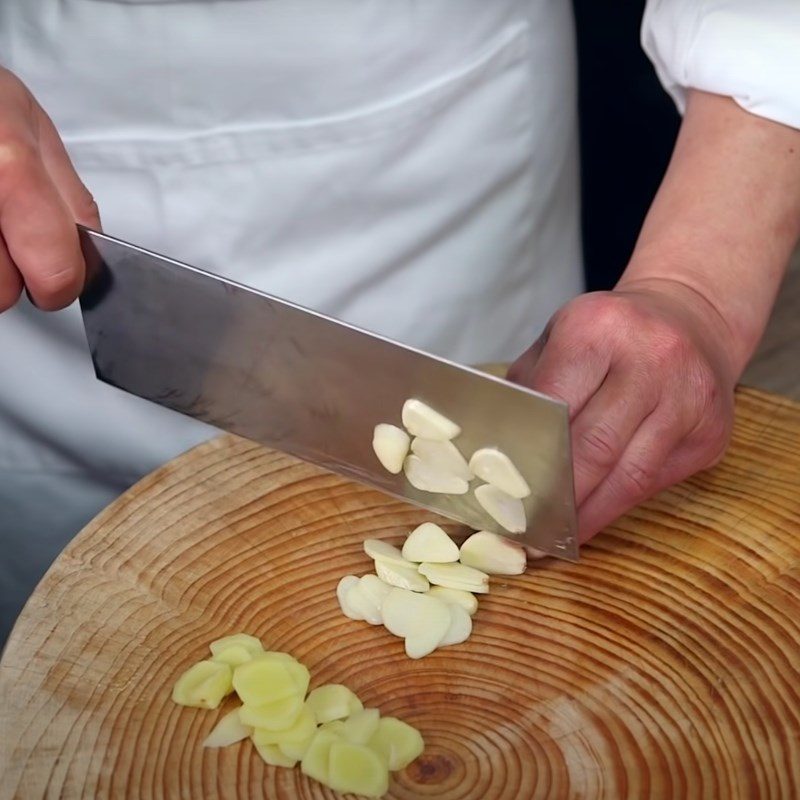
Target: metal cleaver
306,384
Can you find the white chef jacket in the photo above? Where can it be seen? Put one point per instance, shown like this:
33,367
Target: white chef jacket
745,49
409,166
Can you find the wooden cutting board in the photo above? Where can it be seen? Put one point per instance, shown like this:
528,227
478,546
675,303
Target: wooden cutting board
665,665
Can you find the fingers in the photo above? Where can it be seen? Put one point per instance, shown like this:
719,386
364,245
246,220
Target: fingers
38,229
563,367
10,279
601,432
638,475
58,165
41,198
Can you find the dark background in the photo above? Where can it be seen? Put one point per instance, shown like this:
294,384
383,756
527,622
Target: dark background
627,130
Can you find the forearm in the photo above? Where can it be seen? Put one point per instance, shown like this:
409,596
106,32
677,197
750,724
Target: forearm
726,217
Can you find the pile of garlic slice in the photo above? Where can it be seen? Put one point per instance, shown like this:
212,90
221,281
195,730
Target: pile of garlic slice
425,593
328,731
432,463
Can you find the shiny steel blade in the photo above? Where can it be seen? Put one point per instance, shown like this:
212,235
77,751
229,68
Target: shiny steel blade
312,386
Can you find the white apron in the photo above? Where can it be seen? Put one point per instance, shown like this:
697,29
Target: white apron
408,166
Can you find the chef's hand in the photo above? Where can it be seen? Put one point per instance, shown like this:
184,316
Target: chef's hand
41,199
649,384
648,370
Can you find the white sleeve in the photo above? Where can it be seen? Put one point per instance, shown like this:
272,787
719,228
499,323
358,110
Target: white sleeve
746,49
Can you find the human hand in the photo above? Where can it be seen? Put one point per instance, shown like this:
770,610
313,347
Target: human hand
41,199
649,384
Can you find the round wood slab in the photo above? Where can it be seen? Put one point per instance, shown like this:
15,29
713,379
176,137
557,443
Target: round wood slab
665,665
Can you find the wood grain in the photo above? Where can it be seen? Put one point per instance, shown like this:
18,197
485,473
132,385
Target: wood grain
664,665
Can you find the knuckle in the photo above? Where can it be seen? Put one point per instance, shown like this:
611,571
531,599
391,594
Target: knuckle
600,446
16,157
601,310
86,208
669,346
715,440
637,478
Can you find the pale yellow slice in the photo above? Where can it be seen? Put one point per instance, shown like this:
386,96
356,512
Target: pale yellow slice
229,730
276,716
397,742
203,685
264,680
315,761
296,750
303,728
249,643
235,655
360,727
357,769
273,756
333,701
301,677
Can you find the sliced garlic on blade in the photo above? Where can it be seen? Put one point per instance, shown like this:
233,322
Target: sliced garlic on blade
420,619
460,626
444,456
421,420
507,511
358,601
374,588
342,588
459,597
390,444
455,576
428,542
495,467
379,550
493,554
427,478
401,577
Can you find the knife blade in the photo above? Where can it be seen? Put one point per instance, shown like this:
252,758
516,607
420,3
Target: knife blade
310,385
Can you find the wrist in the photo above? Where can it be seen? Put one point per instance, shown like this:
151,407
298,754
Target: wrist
736,327
725,220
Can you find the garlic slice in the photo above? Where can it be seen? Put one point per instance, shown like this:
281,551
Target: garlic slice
374,588
228,730
460,627
390,444
444,456
428,542
507,511
493,554
427,478
459,597
495,467
456,576
421,420
401,577
358,601
342,588
420,619
379,550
